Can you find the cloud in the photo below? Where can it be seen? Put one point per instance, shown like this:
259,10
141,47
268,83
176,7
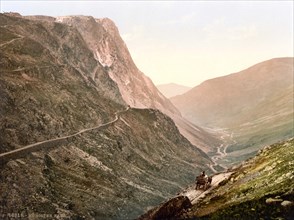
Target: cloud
185,19
137,32
242,32
220,29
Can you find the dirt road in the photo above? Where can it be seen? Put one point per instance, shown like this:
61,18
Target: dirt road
20,152
11,41
194,195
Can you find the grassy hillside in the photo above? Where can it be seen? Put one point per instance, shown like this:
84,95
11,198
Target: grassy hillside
255,106
262,126
262,188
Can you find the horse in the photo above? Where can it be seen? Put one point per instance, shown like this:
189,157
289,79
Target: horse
204,181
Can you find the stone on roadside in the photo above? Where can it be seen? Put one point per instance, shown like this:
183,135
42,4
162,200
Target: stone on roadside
272,201
287,204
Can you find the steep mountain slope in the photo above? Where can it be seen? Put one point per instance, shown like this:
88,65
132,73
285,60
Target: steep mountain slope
219,101
51,85
255,105
113,173
103,39
46,87
172,89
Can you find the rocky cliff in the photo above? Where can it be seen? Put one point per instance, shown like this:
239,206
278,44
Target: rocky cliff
49,86
103,39
52,86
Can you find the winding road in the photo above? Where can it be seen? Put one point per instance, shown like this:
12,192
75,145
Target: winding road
21,152
220,155
11,41
221,152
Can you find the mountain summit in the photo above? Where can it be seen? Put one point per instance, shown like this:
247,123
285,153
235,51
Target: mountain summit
137,90
103,39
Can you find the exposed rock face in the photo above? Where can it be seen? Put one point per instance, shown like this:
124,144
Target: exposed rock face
255,105
46,86
137,90
51,85
102,37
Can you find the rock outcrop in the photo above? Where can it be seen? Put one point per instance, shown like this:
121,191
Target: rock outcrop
103,39
169,209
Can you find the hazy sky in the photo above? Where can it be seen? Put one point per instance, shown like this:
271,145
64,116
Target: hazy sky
187,42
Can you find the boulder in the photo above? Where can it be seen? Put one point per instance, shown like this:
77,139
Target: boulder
272,201
287,204
169,209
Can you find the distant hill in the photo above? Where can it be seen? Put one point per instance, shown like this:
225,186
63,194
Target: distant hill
172,89
254,105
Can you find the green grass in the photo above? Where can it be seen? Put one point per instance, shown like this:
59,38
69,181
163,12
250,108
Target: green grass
268,175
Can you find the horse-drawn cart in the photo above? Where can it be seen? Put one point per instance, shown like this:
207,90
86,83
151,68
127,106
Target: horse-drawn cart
203,181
